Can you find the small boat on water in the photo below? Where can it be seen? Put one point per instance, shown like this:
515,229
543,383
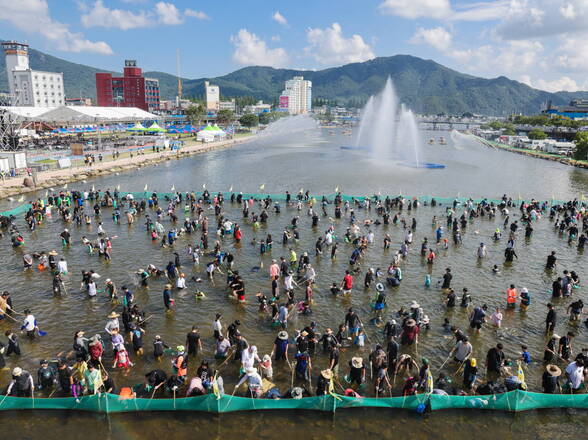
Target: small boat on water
431,141
354,147
442,141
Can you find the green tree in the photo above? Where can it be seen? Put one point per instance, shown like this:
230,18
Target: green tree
225,116
264,118
510,132
249,120
581,140
195,113
537,135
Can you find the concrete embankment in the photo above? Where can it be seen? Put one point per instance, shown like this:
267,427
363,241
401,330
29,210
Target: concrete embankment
537,154
59,177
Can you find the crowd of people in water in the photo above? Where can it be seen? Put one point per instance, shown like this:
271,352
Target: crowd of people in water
393,366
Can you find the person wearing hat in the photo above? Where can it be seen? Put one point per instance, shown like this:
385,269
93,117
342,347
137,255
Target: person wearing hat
470,373
550,379
46,376
410,332
280,350
266,367
80,344
356,372
328,340
110,288
21,384
96,348
180,363
525,299
324,383
254,382
551,348
65,238
112,323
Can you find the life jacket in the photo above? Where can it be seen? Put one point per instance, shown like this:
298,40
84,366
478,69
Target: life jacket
181,364
511,296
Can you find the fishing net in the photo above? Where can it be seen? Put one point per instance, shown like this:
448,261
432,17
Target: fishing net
111,403
317,198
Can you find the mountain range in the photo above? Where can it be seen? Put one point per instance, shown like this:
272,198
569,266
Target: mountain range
423,85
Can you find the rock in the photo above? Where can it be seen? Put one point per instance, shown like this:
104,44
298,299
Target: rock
28,182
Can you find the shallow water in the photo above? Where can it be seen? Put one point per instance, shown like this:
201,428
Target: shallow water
317,163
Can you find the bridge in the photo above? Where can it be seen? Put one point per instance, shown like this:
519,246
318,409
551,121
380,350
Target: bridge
449,123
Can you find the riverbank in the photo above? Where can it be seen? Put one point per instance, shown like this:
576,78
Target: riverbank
60,177
534,153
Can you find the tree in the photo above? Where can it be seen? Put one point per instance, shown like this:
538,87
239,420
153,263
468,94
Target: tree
581,140
510,132
249,120
537,135
225,116
195,113
264,118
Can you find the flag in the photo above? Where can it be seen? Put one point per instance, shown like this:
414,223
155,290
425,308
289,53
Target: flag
262,186
337,189
46,193
145,189
118,187
231,188
173,188
21,199
65,186
93,189
521,375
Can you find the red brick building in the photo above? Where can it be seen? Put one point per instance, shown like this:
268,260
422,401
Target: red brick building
130,90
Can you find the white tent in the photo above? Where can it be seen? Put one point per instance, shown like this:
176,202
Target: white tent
211,133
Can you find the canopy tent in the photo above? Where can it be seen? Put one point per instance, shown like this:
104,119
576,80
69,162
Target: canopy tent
79,114
155,128
137,127
211,133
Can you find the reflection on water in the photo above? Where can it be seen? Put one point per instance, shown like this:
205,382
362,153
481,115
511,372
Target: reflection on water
472,170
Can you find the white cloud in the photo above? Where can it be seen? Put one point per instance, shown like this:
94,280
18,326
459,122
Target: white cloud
329,46
101,16
543,18
557,85
168,13
250,50
438,37
163,13
279,18
276,38
572,54
442,9
417,8
33,16
196,14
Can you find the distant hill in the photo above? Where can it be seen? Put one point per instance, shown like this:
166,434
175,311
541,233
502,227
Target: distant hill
424,85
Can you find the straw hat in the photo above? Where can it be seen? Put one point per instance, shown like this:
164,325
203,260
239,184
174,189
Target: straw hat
266,357
556,336
108,280
327,374
357,362
113,315
410,322
304,333
283,335
168,286
53,253
554,370
17,371
414,305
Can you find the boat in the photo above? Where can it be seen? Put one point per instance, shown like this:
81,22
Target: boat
431,141
430,165
442,141
354,147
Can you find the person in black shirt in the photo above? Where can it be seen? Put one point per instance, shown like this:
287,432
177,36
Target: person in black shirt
328,340
550,349
232,330
550,320
551,261
64,377
334,359
108,384
565,346
550,379
193,341
450,300
494,362
447,279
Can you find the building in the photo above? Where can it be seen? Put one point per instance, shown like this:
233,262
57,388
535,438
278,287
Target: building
258,108
212,95
228,105
577,109
27,87
130,90
296,98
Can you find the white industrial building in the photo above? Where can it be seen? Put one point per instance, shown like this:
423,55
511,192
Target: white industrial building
30,88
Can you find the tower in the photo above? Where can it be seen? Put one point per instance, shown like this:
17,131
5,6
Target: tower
17,59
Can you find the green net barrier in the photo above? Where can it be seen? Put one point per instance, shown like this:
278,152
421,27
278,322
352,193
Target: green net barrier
111,403
330,197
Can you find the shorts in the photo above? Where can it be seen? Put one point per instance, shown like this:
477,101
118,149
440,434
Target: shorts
354,330
476,325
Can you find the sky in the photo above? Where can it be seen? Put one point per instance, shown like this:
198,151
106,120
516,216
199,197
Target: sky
543,43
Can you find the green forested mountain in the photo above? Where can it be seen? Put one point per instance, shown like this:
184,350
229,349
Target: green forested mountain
424,85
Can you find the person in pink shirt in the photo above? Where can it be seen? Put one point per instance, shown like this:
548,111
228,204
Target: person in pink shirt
274,270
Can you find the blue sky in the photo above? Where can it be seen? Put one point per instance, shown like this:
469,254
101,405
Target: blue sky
540,42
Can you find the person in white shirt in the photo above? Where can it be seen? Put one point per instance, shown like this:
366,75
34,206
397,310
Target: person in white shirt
92,290
181,281
217,327
575,374
463,349
62,266
29,324
249,356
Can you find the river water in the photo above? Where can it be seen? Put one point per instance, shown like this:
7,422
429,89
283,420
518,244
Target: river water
311,160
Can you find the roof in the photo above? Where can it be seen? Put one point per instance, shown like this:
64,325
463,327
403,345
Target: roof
80,114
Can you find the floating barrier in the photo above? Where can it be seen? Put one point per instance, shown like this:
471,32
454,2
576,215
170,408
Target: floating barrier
512,401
